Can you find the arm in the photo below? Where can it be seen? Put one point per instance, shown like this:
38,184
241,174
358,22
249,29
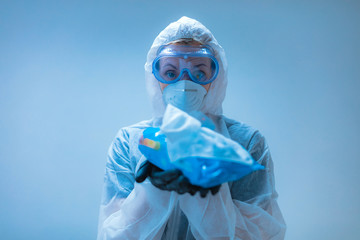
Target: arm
129,210
245,210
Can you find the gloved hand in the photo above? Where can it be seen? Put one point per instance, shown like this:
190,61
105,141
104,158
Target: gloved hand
171,180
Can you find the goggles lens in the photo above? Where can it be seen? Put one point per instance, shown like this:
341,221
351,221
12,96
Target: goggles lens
176,62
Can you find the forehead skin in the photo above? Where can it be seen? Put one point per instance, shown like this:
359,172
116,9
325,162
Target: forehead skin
181,46
185,44
180,62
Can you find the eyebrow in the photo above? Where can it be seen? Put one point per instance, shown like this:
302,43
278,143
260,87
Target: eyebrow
201,64
169,64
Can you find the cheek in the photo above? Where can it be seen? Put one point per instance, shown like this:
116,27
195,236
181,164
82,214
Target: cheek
207,86
162,86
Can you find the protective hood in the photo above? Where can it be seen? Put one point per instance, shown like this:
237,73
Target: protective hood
187,28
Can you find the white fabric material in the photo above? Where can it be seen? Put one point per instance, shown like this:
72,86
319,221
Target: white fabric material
243,209
212,217
146,206
183,131
188,28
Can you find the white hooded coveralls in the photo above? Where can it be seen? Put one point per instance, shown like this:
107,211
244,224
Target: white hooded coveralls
243,209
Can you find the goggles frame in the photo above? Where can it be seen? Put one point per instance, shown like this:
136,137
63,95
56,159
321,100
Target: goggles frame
203,51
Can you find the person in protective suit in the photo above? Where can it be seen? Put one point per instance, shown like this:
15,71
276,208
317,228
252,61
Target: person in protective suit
186,67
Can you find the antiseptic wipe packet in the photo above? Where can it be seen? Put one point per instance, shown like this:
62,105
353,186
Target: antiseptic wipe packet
206,157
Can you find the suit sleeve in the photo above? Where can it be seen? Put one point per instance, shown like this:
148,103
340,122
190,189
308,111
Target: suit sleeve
244,209
130,210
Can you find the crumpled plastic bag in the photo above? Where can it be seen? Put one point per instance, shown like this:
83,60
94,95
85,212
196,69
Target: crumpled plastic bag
205,157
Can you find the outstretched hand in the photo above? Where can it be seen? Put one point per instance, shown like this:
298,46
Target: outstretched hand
171,180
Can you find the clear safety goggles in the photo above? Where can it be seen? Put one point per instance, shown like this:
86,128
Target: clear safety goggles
173,62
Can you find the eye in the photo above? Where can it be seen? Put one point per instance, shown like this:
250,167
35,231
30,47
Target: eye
199,75
170,74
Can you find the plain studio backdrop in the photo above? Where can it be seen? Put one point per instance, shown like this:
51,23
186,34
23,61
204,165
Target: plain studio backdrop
72,74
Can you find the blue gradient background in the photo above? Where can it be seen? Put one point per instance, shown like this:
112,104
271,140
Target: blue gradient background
71,74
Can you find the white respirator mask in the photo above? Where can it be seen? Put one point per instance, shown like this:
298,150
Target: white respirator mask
185,95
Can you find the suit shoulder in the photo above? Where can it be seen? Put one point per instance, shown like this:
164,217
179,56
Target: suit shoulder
134,128
241,132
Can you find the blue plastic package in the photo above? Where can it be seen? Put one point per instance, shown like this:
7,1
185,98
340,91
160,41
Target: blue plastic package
209,172
201,171
152,145
190,144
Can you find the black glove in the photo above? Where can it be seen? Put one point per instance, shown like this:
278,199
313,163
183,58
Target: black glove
157,176
171,180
